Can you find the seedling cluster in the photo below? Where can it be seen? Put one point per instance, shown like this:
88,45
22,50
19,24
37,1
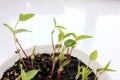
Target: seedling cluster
66,43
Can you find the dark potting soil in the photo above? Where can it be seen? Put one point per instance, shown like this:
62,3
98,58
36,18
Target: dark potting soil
43,62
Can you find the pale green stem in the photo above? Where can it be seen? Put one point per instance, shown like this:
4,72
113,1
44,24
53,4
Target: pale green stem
88,64
16,25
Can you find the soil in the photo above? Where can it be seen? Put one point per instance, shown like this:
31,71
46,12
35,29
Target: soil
43,62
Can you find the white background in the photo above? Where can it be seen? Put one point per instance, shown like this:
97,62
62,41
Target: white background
101,19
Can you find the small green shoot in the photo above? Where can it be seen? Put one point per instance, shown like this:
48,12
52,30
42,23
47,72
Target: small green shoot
33,55
55,23
62,56
66,62
94,55
84,72
104,69
78,72
61,33
33,52
26,75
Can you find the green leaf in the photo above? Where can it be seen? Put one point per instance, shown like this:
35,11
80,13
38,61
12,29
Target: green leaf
22,30
102,70
54,21
107,65
31,74
61,56
63,65
108,70
70,34
60,27
66,62
61,35
26,75
94,55
10,28
24,17
69,43
81,37
23,73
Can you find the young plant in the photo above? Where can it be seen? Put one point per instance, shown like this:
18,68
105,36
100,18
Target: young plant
60,57
26,75
61,68
54,57
93,56
104,69
33,55
15,31
84,71
78,72
68,42
60,36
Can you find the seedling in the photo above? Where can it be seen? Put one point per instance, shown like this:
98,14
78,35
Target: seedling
33,55
26,75
84,71
104,69
66,62
62,51
15,31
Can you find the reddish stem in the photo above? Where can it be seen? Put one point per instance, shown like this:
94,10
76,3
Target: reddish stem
68,56
59,73
22,49
59,76
67,53
70,53
53,67
24,53
24,64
